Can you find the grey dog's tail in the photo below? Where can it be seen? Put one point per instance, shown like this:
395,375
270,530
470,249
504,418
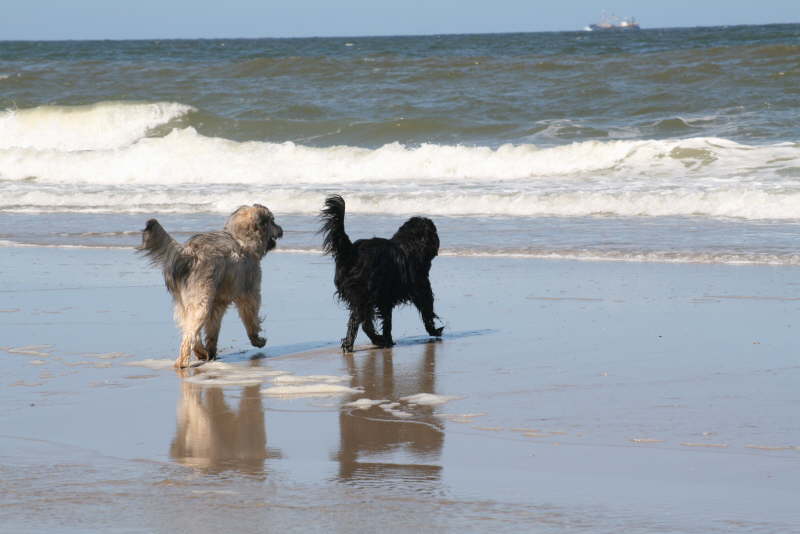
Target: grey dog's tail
163,251
335,240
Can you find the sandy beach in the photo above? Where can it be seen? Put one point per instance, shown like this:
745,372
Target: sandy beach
565,396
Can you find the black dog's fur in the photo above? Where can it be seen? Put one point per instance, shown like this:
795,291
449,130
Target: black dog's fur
375,275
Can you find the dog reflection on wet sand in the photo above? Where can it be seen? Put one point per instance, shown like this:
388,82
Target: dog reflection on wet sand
213,437
375,432
210,272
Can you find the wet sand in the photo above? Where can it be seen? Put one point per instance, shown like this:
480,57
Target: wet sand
565,396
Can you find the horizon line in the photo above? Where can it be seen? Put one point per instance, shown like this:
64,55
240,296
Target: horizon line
374,36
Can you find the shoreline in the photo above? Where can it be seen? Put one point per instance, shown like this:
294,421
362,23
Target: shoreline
587,396
667,258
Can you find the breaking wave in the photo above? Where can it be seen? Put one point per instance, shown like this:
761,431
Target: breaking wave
101,126
107,157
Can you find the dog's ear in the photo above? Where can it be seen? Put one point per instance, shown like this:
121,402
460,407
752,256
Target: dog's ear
418,234
243,226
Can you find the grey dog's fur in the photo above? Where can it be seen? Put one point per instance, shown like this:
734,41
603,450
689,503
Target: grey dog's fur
211,271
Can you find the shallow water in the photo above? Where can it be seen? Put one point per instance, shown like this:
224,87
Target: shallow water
639,239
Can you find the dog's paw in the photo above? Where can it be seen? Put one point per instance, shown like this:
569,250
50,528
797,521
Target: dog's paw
346,347
201,352
258,341
437,332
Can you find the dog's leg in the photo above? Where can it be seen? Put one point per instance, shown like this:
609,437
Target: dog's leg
386,320
248,307
369,329
181,318
199,349
352,330
212,326
200,314
192,320
185,353
423,300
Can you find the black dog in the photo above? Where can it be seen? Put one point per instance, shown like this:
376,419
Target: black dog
375,275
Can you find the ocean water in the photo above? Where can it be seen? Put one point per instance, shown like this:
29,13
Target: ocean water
659,145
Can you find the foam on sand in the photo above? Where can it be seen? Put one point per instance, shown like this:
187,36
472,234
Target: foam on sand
428,399
308,390
151,363
225,374
41,351
393,409
284,384
463,418
294,386
293,380
706,445
365,404
106,355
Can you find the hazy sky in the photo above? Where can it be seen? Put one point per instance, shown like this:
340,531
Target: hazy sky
132,19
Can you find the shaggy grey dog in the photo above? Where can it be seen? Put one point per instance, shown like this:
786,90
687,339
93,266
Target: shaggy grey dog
211,271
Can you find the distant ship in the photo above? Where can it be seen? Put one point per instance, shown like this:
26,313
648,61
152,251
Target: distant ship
614,24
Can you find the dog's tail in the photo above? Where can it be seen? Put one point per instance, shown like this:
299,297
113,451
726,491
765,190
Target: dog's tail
163,251
335,240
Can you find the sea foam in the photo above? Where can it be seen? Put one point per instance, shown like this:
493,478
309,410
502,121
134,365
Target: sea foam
184,156
101,126
99,159
428,399
734,202
308,390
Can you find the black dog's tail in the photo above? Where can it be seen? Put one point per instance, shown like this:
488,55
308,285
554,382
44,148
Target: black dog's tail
163,251
335,240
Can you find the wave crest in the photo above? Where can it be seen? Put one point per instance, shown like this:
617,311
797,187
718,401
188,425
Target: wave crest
100,126
186,157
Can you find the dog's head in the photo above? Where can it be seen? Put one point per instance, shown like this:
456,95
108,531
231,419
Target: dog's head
418,236
254,228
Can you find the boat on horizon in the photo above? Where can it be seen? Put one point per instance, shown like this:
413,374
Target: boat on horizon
613,23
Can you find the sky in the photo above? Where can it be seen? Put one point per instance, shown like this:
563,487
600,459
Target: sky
161,19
